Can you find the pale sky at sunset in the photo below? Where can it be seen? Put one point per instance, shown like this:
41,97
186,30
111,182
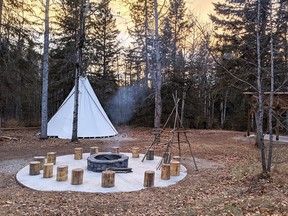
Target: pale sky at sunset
200,8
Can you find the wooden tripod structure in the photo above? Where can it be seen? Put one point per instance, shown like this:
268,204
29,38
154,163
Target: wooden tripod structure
177,131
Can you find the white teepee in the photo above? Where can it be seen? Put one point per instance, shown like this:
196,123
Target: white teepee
92,119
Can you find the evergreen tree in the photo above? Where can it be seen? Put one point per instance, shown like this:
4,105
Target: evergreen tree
19,63
63,52
102,36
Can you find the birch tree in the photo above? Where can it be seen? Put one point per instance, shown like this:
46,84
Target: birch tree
158,75
44,109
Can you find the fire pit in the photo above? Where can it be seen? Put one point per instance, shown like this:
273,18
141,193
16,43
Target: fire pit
104,161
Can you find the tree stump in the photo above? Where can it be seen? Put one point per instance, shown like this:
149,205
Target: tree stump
165,171
149,177
93,150
135,152
115,150
62,173
51,157
34,168
41,159
108,178
77,176
150,154
174,168
78,152
177,158
48,170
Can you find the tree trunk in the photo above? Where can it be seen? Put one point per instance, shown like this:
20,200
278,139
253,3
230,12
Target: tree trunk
146,46
269,159
158,77
260,108
44,109
79,69
182,108
1,9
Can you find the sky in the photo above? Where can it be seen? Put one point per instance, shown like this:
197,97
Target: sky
200,8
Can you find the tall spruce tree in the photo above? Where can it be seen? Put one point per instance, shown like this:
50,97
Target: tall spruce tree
102,37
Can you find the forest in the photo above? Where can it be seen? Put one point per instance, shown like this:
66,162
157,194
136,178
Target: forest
208,65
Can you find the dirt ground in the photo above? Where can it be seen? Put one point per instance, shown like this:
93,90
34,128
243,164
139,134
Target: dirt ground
227,183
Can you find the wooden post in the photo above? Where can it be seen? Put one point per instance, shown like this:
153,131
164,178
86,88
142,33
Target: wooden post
93,150
115,150
41,159
177,158
34,168
174,168
78,153
48,170
77,176
51,157
165,171
149,177
108,178
62,173
150,154
135,152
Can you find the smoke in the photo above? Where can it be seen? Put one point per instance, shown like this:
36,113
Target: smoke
123,105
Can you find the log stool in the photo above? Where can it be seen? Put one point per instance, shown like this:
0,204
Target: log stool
62,173
78,152
34,168
51,157
150,154
77,176
176,158
165,171
149,177
108,178
174,168
93,150
48,170
115,150
41,159
135,152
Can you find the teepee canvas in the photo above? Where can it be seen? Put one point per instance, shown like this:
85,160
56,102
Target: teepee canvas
92,119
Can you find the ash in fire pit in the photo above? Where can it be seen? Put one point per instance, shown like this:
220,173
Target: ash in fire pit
104,161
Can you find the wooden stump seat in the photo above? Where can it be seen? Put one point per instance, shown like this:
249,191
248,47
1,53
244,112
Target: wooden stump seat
115,150
41,159
149,177
78,153
77,176
62,173
93,150
51,157
48,170
108,178
135,152
165,171
174,168
150,154
34,168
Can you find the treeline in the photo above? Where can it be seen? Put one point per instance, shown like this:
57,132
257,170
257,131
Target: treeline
207,66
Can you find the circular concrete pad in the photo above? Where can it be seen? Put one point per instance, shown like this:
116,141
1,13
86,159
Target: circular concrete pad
124,182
